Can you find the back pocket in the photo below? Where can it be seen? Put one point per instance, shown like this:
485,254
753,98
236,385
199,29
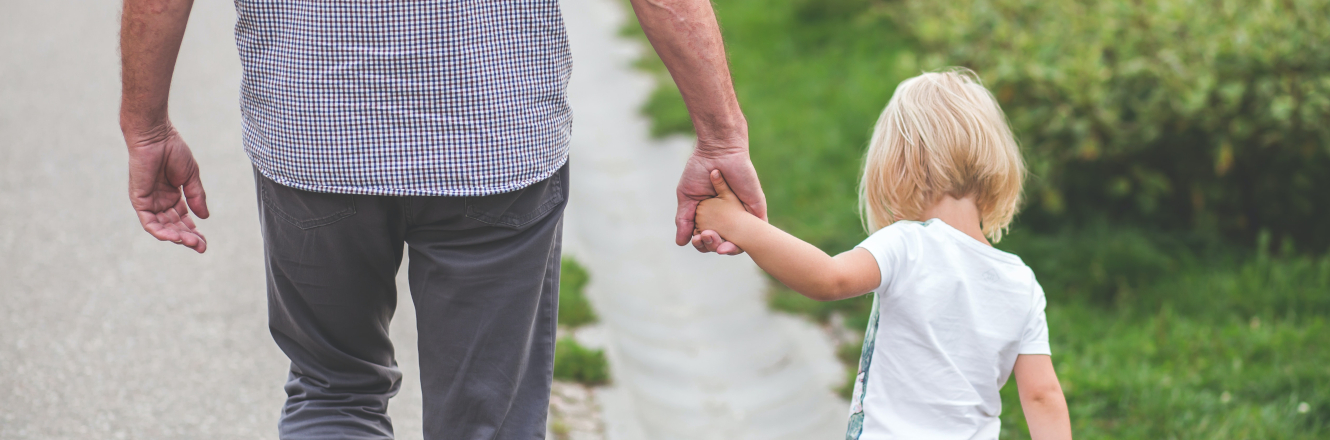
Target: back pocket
305,209
518,208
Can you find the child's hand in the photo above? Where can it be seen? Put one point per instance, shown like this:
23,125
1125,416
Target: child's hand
719,213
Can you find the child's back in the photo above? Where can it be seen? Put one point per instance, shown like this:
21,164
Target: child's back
953,314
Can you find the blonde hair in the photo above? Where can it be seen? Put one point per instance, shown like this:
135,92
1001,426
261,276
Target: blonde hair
942,133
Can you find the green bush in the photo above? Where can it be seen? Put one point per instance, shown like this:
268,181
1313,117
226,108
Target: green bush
574,308
573,362
1177,114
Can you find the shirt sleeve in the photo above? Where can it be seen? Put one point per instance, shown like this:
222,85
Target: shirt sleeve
888,247
1035,338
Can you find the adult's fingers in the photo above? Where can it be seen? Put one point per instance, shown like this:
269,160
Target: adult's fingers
742,179
714,243
193,241
711,241
190,236
181,234
706,241
683,220
153,225
197,198
170,226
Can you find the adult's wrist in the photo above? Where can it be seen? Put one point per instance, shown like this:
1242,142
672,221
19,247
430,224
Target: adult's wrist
721,146
141,130
725,130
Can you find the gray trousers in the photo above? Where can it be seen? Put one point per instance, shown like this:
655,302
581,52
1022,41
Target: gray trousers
484,276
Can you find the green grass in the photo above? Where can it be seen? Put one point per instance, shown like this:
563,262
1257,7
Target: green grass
1168,375
574,308
575,363
572,361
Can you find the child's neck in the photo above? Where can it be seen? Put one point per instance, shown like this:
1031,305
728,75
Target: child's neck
961,214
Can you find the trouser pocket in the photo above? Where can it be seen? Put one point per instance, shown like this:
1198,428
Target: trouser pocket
304,209
520,208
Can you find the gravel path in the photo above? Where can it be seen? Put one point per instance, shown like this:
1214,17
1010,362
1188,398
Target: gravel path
106,333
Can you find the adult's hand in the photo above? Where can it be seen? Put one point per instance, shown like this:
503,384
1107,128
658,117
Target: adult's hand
687,38
161,167
695,186
164,187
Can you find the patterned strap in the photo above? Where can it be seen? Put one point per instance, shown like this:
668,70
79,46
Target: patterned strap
856,427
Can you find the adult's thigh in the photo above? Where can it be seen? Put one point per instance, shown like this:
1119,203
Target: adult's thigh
331,261
484,278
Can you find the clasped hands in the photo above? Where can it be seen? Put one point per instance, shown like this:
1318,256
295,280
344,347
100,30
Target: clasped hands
737,175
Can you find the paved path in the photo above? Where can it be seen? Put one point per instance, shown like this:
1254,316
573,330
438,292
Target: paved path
106,333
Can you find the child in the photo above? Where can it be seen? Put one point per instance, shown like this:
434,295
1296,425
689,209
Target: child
952,316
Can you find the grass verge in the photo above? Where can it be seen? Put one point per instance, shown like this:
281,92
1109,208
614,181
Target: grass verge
572,361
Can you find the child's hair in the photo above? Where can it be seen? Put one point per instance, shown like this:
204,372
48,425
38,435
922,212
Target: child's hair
942,133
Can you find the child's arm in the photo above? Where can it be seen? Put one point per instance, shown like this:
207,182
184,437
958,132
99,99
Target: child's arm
1041,398
799,265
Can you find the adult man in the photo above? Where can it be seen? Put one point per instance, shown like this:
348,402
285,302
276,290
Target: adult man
441,125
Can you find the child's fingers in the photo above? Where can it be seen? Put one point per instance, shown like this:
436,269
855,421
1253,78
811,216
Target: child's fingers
722,188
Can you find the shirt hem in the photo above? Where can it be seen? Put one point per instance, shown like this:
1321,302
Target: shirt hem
1035,348
427,192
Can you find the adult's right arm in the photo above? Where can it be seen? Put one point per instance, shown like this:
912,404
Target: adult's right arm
687,37
164,183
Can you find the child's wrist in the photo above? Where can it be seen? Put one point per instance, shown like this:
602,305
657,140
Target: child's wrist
732,227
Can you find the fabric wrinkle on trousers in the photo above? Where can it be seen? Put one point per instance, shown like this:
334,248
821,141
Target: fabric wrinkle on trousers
483,273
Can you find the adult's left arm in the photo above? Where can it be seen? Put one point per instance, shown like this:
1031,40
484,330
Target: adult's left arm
687,37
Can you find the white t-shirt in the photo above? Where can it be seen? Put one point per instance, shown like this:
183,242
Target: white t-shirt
953,315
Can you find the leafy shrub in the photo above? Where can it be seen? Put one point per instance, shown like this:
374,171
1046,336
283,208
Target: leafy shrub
574,308
573,362
1179,114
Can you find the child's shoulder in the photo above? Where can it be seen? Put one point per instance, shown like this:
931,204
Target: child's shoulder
910,236
902,227
897,236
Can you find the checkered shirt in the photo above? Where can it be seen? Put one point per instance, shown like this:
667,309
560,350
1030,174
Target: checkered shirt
404,97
